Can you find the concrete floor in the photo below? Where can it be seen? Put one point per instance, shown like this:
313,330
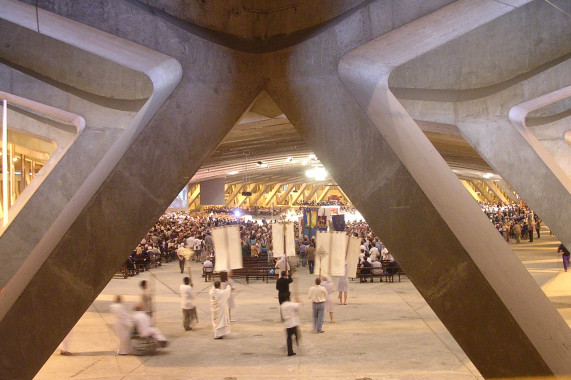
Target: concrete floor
387,331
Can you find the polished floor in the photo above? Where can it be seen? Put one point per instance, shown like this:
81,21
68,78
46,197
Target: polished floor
387,331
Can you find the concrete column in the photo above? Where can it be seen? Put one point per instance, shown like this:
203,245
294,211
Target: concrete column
530,339
149,163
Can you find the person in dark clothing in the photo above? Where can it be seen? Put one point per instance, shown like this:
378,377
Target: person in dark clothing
282,286
564,252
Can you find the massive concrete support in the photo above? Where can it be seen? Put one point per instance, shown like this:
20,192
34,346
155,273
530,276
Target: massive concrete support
476,97
148,164
384,162
366,72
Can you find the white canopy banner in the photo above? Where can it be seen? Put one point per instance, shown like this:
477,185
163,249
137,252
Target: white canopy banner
227,248
335,244
278,239
352,258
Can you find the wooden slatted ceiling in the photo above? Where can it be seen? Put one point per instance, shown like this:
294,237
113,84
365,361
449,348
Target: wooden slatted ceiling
272,140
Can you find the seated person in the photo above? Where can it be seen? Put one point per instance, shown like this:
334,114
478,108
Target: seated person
377,267
365,270
144,329
208,267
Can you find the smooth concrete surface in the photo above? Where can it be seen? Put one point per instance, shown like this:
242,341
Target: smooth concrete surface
135,182
366,71
387,331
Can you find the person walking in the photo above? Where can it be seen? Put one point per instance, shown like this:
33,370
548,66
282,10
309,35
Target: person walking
318,294
564,252
123,326
310,255
343,287
289,311
187,297
282,286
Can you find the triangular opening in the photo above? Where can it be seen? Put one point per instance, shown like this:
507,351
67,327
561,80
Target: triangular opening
263,162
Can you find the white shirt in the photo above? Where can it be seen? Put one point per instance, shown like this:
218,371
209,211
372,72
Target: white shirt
187,297
143,323
374,253
197,244
317,293
208,267
289,313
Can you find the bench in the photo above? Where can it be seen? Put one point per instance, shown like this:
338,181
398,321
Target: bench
247,273
364,276
393,268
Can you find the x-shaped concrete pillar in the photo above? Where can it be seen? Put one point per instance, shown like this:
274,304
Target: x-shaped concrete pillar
361,133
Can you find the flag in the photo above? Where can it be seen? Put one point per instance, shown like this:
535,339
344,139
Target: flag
338,222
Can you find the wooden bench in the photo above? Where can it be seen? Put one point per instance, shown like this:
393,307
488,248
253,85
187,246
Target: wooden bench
247,273
393,268
364,276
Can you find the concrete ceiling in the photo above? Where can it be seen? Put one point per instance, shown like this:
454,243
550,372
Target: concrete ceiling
264,134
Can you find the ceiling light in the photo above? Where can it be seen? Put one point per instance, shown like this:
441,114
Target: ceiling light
488,175
289,159
312,157
303,162
233,172
309,173
264,165
15,159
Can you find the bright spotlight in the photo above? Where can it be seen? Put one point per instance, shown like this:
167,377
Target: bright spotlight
237,213
233,172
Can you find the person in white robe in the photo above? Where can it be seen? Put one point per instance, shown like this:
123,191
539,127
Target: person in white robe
143,323
283,265
331,296
123,326
219,310
343,287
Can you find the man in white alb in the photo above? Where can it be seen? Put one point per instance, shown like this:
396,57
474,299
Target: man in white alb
219,309
123,326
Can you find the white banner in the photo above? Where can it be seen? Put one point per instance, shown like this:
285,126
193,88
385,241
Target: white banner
339,241
227,248
352,258
278,239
